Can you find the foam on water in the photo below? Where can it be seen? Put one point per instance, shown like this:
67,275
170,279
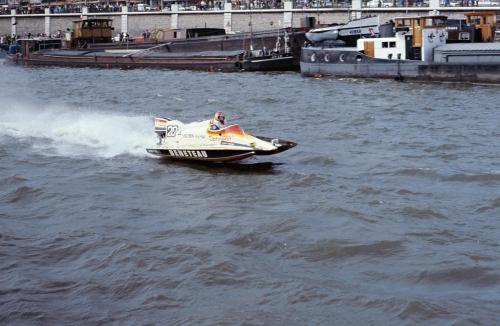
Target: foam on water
66,131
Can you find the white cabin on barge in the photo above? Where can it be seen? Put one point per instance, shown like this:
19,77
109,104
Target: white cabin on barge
415,39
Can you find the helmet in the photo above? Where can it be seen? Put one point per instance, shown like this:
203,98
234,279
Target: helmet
219,116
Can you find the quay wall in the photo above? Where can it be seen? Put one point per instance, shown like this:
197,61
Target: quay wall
135,23
201,20
139,23
5,26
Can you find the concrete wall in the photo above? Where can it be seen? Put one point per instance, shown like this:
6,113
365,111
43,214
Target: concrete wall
61,23
201,20
321,17
139,23
261,20
29,25
5,26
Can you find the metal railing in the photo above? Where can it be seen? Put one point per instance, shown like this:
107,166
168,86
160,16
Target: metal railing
210,5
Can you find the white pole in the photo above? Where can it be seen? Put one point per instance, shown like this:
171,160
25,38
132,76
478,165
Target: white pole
47,21
13,22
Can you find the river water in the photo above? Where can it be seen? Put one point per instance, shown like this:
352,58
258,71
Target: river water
386,213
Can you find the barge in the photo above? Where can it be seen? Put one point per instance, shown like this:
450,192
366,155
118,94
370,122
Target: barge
45,52
196,49
415,50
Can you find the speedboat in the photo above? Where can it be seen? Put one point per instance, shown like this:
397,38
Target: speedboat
196,141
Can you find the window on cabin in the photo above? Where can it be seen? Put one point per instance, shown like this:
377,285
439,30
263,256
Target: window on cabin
385,44
439,22
475,20
392,44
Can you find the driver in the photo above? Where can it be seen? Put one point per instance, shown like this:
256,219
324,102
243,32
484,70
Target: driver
218,122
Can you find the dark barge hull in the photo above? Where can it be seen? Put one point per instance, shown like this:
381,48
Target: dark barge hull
270,63
337,62
223,61
229,61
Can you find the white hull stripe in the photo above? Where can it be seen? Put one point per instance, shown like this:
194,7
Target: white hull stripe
186,153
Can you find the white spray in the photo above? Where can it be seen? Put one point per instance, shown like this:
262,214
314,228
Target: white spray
59,130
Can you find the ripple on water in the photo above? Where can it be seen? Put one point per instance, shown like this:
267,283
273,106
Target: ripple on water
22,194
319,160
307,294
333,250
163,301
257,242
442,148
421,311
407,309
482,177
59,286
367,190
422,213
13,180
494,204
307,180
417,172
342,212
223,273
476,276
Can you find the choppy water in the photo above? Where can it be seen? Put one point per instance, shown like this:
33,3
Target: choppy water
387,213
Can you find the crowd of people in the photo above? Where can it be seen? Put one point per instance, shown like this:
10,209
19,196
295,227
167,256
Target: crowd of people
8,39
182,5
219,5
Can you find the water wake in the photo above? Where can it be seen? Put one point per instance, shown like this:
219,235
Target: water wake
60,130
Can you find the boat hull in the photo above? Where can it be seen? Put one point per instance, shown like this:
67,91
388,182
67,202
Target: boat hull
230,61
219,155
338,62
271,63
224,61
202,155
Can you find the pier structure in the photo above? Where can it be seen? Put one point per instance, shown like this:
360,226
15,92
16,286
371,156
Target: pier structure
232,20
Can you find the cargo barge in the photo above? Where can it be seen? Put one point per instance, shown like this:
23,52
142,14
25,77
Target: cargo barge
175,49
415,49
35,52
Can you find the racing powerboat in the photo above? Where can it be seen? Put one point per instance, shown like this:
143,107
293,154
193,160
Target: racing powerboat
196,141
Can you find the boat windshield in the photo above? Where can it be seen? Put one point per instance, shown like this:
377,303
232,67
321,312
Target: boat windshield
231,129
234,129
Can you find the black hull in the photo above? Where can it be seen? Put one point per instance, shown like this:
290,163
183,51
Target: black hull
221,61
202,155
228,66
217,155
278,63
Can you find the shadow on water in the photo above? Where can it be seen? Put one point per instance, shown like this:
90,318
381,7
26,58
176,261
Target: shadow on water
267,168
